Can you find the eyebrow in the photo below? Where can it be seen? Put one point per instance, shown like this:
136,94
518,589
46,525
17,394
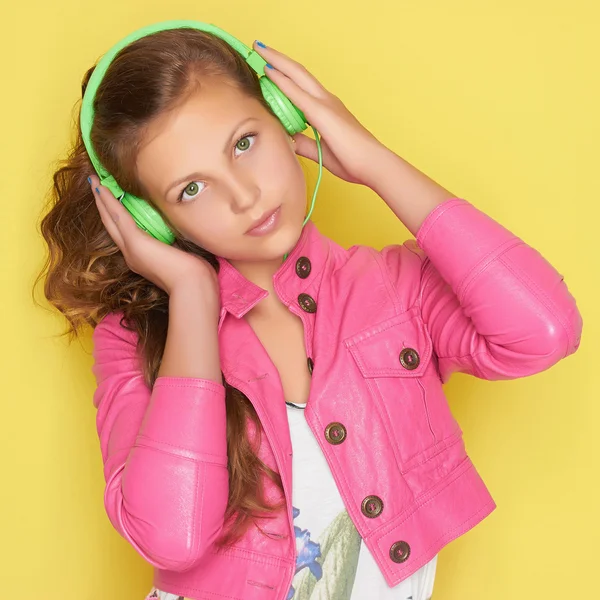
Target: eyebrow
198,174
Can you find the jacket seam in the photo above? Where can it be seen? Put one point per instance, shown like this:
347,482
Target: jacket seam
198,384
428,264
199,590
439,446
399,519
381,327
442,209
483,264
139,443
269,559
447,534
386,276
395,523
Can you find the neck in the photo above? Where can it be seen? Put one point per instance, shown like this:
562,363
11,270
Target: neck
261,272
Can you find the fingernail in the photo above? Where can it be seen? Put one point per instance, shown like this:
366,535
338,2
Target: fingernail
89,180
260,44
269,66
97,191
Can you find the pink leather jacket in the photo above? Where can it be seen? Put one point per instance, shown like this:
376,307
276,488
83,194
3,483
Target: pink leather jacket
383,331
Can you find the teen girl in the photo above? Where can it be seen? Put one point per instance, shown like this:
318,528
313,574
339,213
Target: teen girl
270,406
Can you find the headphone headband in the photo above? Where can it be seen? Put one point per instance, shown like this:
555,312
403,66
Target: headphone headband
144,214
254,60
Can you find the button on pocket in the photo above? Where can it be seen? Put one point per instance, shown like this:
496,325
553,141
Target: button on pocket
397,371
397,347
409,358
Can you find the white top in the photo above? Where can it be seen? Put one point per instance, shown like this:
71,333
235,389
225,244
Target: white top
332,563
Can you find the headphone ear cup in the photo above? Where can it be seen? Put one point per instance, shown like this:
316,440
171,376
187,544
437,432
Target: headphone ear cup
148,218
291,117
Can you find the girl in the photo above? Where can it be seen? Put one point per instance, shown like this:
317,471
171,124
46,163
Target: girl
270,406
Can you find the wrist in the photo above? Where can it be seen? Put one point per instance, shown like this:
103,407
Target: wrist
200,285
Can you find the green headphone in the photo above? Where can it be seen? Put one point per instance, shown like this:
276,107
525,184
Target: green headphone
146,217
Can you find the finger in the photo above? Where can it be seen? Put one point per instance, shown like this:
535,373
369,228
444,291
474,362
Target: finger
110,216
108,222
303,100
117,212
292,69
306,146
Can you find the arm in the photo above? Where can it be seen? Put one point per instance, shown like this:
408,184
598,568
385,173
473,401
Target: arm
163,447
494,307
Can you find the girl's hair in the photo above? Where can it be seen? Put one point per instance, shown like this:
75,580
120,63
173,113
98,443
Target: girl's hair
85,274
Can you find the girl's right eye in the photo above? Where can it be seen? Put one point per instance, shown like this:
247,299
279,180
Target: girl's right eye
191,189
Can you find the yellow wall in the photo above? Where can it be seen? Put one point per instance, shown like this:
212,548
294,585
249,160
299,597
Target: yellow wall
498,101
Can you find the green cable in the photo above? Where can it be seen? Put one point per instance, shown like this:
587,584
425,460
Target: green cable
312,205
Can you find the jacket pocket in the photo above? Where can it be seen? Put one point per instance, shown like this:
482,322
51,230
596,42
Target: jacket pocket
395,359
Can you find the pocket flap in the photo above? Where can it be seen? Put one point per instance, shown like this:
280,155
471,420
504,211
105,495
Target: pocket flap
397,347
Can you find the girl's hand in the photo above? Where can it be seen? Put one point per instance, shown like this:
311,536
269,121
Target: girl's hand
162,264
350,151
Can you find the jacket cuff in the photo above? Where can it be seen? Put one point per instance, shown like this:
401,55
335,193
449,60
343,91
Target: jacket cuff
186,416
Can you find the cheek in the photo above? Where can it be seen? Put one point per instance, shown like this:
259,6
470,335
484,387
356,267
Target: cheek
284,171
205,224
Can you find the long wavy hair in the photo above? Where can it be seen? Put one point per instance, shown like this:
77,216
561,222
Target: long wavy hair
85,275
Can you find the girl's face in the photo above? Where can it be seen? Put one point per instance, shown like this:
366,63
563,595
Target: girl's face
218,165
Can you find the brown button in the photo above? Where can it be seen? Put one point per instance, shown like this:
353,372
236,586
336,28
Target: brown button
303,267
311,365
372,506
399,551
307,303
409,359
335,433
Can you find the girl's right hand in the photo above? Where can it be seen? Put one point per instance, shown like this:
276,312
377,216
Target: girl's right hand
164,265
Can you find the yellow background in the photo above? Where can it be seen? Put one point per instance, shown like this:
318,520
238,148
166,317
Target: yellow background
497,101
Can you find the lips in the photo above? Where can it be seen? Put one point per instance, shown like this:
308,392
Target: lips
265,223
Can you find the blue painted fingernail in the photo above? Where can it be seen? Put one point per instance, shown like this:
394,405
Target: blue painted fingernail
269,66
260,44
97,191
89,180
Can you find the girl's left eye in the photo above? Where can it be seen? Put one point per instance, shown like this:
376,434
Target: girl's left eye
243,144
246,145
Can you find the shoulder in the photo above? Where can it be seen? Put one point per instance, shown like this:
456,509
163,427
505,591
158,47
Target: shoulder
397,267
116,360
403,260
112,333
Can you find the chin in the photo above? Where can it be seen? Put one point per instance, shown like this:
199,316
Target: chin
284,239
282,244
291,234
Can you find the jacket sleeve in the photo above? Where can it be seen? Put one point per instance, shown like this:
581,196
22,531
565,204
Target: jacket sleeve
164,451
493,306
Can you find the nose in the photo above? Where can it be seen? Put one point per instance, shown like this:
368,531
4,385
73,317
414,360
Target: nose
244,192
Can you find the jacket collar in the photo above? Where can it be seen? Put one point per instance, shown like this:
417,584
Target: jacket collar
239,295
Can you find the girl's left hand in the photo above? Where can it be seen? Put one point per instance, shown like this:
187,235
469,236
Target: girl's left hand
350,151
